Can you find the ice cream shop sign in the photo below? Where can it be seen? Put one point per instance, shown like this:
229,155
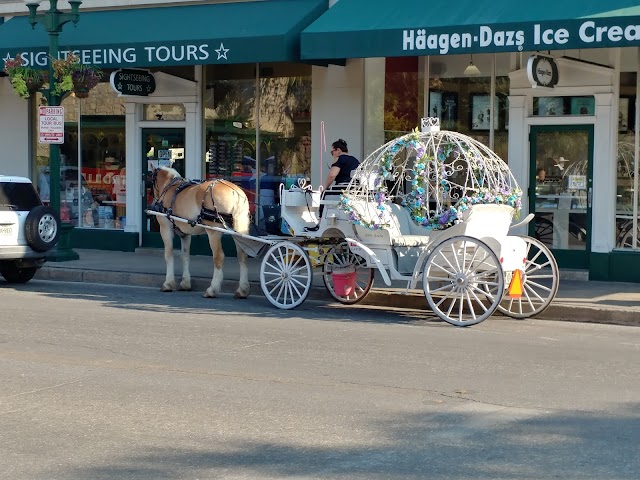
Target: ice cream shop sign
610,32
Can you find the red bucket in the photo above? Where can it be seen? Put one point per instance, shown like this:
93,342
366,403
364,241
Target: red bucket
344,282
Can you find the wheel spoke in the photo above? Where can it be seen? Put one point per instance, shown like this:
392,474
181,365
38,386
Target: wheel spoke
489,295
471,309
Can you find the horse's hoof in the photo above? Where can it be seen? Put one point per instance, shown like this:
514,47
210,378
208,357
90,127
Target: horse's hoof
166,288
243,291
210,294
186,287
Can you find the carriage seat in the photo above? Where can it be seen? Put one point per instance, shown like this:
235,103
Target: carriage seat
403,230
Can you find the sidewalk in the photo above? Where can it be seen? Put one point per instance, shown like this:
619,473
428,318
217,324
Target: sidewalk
581,301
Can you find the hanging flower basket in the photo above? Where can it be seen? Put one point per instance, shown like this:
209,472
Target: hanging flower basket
34,84
81,88
25,80
73,76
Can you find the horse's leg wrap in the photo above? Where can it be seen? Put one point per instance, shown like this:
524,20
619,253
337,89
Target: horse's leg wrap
166,232
185,242
244,287
218,262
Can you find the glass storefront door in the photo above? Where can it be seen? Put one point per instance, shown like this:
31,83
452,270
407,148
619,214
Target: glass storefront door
560,196
161,147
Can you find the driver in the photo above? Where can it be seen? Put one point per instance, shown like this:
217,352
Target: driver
340,173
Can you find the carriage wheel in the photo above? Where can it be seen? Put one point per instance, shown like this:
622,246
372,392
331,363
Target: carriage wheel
463,281
540,281
340,256
285,275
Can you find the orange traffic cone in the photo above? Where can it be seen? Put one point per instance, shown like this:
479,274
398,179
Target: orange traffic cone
515,287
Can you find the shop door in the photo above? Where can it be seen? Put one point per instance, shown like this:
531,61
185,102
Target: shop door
160,147
561,191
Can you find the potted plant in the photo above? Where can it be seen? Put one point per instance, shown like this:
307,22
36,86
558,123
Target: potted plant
71,75
24,80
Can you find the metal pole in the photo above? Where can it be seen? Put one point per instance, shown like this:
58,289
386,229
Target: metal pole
53,20
492,112
258,203
80,195
54,148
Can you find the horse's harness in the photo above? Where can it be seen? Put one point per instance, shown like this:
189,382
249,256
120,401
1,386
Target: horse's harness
208,214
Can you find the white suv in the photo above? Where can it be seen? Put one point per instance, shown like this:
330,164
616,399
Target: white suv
28,229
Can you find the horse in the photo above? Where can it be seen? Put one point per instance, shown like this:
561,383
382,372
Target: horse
217,203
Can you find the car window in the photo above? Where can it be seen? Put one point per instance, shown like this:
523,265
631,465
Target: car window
18,196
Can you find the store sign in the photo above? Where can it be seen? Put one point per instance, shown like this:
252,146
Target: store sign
570,34
119,56
51,125
542,71
133,82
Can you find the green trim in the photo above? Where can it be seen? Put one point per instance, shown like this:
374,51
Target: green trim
579,259
600,266
624,266
381,28
100,239
243,32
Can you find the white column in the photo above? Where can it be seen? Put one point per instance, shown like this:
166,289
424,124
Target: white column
192,146
374,69
603,200
134,185
519,151
337,100
15,133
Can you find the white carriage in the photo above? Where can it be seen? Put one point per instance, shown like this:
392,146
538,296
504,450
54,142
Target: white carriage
431,207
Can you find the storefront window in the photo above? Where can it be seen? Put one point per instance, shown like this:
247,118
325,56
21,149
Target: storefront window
627,227
561,106
92,167
164,112
258,147
403,87
460,100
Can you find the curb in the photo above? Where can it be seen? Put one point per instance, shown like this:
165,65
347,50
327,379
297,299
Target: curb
392,298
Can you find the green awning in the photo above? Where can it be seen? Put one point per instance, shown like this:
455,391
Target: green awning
237,32
382,28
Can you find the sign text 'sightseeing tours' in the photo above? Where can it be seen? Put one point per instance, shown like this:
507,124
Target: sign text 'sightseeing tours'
122,56
133,82
615,32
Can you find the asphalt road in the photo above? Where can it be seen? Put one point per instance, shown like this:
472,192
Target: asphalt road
104,382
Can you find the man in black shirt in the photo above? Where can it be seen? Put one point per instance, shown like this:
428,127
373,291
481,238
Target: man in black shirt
340,172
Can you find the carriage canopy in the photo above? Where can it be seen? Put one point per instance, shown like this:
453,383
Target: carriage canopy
436,175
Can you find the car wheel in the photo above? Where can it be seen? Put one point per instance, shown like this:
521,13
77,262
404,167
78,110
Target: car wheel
42,228
12,273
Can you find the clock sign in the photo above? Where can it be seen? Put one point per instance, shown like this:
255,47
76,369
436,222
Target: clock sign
542,71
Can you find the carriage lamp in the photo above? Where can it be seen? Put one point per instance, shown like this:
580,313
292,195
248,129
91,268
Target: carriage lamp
53,20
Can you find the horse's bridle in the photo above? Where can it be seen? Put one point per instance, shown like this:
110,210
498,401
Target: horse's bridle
157,195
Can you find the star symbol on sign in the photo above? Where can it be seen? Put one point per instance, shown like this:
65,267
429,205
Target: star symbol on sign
222,52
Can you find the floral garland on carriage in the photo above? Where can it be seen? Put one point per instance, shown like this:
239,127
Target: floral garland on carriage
436,175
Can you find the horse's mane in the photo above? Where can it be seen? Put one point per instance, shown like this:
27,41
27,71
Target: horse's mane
171,171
